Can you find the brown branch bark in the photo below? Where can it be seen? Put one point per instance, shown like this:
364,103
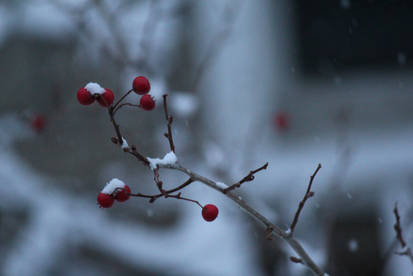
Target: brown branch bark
397,226
248,178
275,230
399,235
169,120
307,195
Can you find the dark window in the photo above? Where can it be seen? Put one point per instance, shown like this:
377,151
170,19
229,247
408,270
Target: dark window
334,36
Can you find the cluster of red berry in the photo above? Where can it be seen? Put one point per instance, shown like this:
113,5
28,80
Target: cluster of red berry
93,91
106,200
142,86
116,189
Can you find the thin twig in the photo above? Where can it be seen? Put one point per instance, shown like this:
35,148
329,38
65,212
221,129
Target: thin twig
169,119
307,195
152,198
121,99
296,260
399,235
397,226
125,104
247,178
132,149
158,182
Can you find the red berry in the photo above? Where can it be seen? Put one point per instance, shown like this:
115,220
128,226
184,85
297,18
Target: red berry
123,194
38,122
281,120
84,96
209,212
106,99
147,102
141,85
105,200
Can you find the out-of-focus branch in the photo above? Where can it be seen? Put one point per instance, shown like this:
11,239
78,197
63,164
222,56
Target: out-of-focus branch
218,42
399,235
397,226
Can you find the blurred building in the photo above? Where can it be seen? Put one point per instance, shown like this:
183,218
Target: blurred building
294,83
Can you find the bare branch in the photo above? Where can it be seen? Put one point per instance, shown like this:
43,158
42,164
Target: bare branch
169,119
229,15
307,195
247,178
296,260
397,226
126,104
119,139
275,230
158,182
272,230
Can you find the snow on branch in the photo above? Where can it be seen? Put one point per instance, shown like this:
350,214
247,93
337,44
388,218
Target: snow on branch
169,159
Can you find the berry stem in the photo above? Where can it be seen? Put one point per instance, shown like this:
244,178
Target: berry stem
121,99
125,104
115,125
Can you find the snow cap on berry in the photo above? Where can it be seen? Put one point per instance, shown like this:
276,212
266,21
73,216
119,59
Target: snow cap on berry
94,88
106,99
123,195
112,185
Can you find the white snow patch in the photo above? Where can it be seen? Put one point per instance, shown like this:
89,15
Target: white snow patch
112,185
183,104
124,143
169,159
221,185
94,88
214,155
353,245
288,231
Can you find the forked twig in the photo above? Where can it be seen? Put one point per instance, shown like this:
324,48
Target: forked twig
307,195
247,178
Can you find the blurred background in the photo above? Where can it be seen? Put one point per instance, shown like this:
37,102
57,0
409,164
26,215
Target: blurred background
294,83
